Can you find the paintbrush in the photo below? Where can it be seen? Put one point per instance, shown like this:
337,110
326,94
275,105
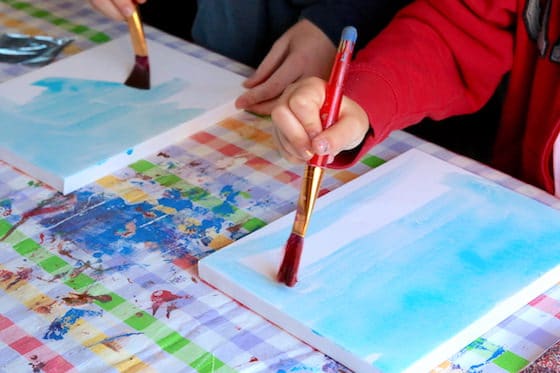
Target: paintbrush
313,174
140,75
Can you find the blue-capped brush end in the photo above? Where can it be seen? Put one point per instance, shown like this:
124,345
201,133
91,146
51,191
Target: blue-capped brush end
349,33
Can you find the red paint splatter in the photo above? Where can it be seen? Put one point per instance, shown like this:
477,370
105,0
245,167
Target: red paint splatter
146,214
128,231
36,365
22,274
235,228
78,271
45,308
162,154
161,297
74,299
5,275
42,209
253,359
186,261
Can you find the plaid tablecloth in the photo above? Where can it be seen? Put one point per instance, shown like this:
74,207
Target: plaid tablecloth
104,279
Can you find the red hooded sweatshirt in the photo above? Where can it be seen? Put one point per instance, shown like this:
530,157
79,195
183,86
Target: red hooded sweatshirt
440,58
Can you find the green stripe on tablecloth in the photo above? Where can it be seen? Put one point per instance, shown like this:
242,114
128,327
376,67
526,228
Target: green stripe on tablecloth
32,10
166,338
198,195
497,355
510,362
372,161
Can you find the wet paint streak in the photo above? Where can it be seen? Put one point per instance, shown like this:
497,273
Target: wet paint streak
61,325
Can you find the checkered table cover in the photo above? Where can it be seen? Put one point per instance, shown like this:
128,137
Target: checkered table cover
104,279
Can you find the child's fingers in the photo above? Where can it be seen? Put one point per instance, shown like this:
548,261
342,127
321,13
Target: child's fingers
347,133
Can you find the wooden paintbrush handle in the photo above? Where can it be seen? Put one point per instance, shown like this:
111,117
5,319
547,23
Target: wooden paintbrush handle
137,34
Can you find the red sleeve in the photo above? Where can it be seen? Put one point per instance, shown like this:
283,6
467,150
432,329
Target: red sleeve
437,58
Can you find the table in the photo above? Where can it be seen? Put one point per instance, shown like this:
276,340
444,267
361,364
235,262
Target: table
104,279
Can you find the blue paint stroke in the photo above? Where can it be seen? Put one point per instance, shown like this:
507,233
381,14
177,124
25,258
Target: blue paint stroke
61,325
74,124
475,236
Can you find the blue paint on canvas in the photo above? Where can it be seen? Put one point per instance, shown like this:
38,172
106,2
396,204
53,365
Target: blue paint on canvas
77,123
404,288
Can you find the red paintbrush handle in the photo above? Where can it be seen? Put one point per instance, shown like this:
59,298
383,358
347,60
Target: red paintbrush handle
333,95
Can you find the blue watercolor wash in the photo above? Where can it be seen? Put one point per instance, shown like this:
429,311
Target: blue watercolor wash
74,124
404,286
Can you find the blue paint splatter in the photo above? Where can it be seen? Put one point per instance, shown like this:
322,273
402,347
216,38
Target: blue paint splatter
61,325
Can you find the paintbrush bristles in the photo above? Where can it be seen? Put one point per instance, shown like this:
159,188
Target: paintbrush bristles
290,264
309,192
140,75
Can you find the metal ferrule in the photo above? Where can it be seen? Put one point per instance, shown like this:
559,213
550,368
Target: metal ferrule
307,196
137,34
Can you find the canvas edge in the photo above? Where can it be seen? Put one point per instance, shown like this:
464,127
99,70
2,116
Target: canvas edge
304,334
30,170
499,313
147,148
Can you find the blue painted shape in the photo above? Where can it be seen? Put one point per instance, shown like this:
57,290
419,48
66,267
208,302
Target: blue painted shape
403,288
61,325
74,124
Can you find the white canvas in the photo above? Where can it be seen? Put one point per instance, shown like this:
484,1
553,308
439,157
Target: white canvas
74,121
402,267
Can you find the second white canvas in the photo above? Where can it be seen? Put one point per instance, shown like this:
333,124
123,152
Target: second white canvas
74,121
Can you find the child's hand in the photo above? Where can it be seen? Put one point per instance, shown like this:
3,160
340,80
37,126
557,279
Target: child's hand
298,131
118,10
304,50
